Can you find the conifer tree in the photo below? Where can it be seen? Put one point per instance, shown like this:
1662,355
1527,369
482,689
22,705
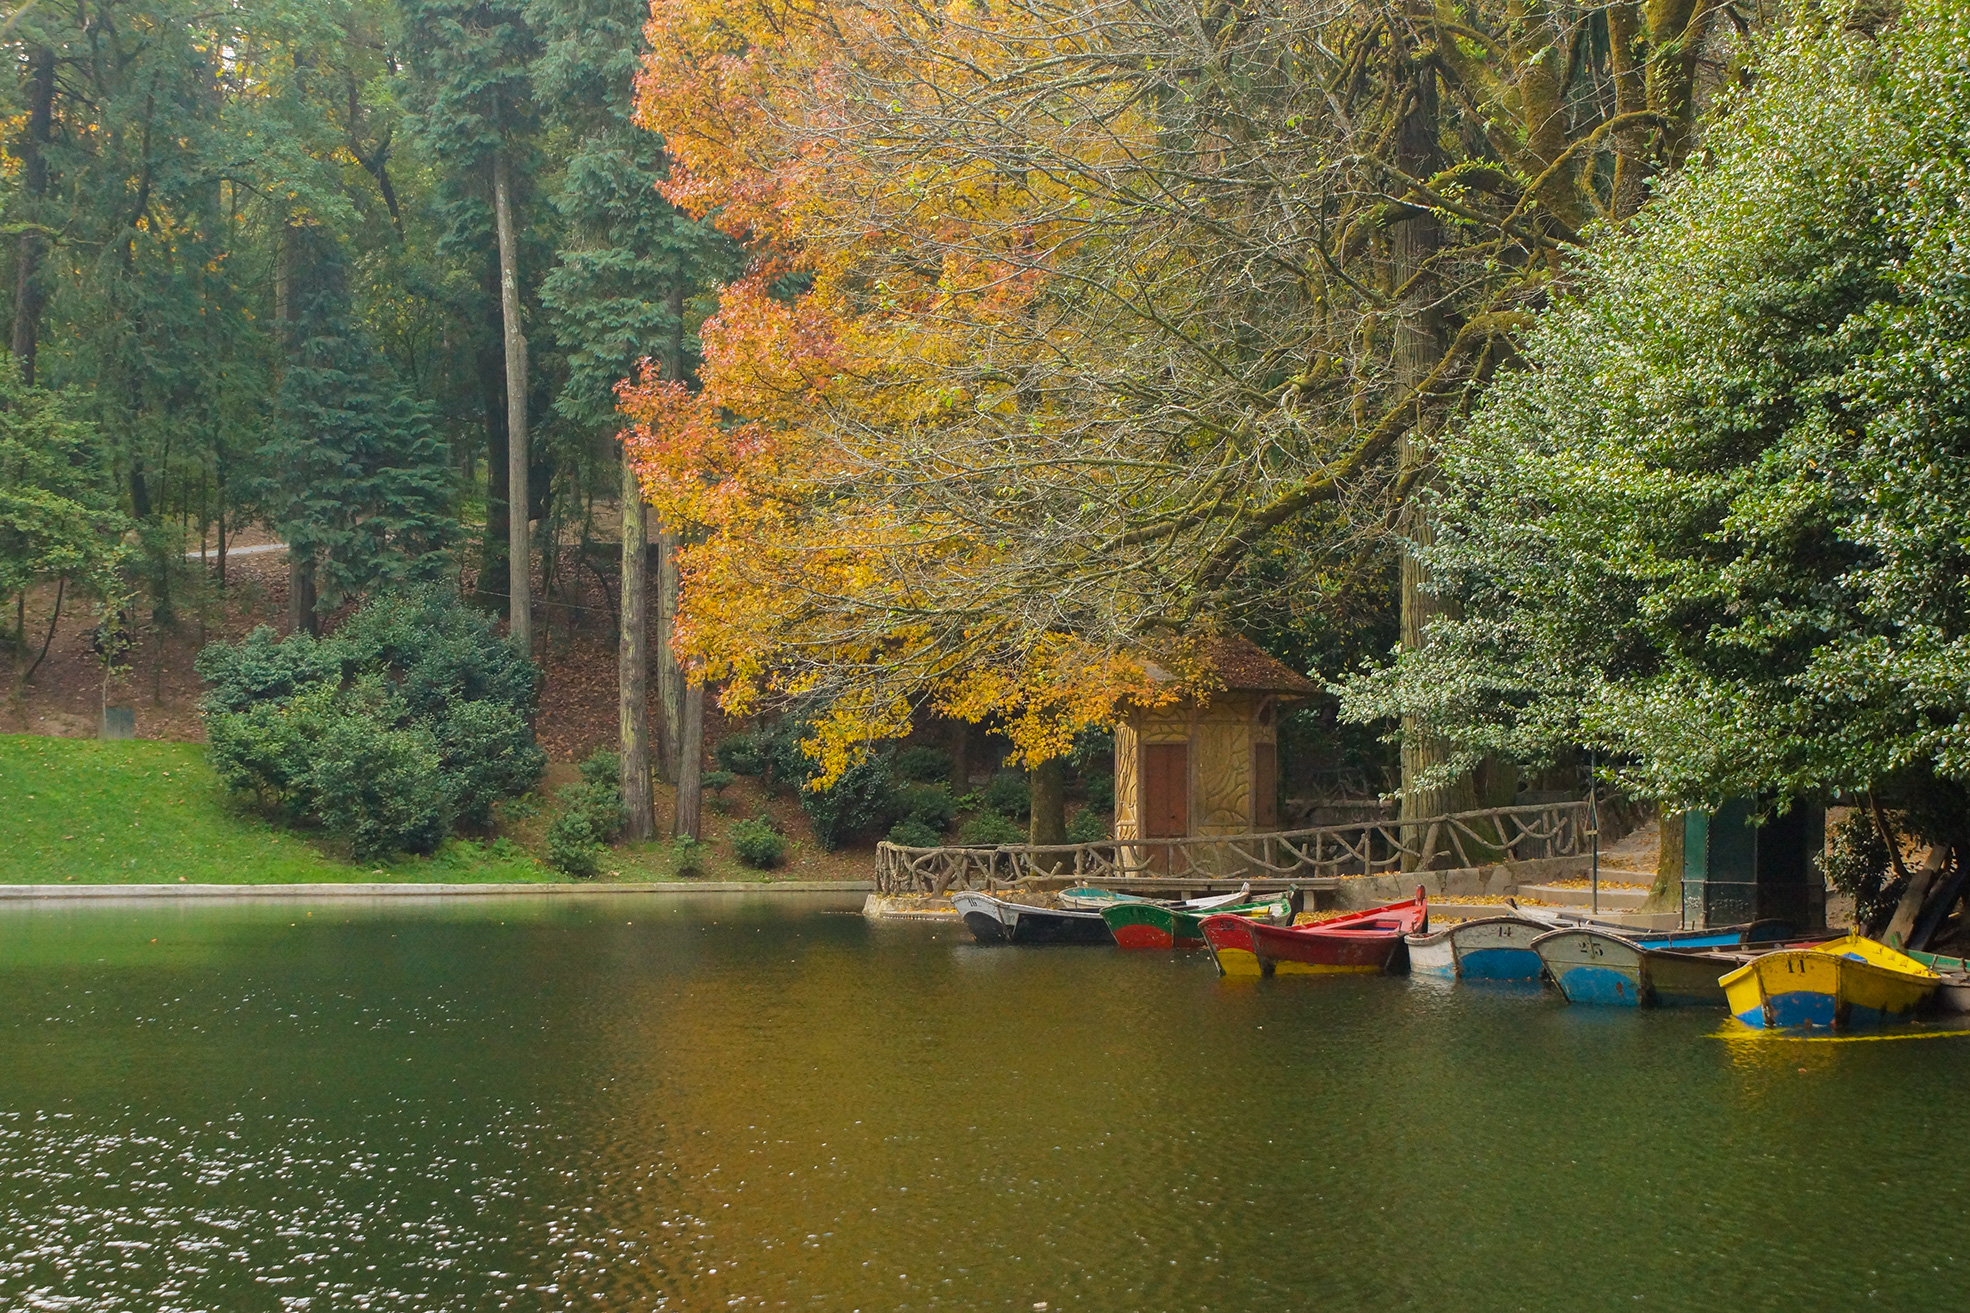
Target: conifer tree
361,482
616,297
477,116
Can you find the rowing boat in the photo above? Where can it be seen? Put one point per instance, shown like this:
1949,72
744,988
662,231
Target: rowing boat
997,921
1594,965
1489,948
1953,995
1087,898
1358,942
1154,925
1845,984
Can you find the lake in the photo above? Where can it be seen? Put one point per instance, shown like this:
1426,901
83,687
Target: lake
746,1102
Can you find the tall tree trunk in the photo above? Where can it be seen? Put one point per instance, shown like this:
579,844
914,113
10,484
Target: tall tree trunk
632,663
1418,345
301,597
670,676
492,399
1048,782
690,766
30,289
519,604
960,749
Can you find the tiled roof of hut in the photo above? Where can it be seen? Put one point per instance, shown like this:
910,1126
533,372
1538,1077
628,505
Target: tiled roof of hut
1245,668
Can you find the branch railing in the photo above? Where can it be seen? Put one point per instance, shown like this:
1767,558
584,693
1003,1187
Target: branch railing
1375,847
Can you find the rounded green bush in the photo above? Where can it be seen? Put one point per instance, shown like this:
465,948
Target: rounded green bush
758,845
913,833
1088,826
1009,794
988,829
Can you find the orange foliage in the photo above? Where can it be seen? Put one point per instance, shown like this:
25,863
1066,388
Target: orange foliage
815,567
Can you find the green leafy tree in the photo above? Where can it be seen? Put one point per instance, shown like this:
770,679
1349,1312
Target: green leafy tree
1715,528
58,517
362,484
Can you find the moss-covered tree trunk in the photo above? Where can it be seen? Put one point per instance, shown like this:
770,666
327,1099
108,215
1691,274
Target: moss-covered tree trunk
690,766
632,664
519,580
1418,346
1048,782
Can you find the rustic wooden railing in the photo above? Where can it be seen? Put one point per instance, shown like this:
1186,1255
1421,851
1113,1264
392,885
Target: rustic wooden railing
1474,838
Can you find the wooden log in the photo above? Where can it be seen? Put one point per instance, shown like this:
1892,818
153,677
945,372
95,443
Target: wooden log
1896,934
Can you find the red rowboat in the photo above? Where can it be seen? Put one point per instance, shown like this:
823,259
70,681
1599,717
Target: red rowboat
1360,941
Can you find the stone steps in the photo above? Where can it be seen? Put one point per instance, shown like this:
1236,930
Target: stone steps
1614,897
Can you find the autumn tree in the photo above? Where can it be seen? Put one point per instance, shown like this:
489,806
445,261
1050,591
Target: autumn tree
1066,313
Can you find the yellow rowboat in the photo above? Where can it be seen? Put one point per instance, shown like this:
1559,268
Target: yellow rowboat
1843,984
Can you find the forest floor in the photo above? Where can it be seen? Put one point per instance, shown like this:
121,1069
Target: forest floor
119,796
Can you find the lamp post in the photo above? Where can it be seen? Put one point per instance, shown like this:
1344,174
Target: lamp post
1594,829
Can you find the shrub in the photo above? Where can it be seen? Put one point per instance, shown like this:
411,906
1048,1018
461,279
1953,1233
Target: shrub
1009,794
863,801
928,804
1101,791
591,817
718,780
740,754
758,845
915,834
383,789
1858,864
989,829
926,765
572,847
687,856
602,767
412,719
1088,826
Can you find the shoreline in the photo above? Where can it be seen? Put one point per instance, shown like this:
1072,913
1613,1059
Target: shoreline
70,892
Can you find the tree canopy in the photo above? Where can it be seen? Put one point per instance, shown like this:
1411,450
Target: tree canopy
1715,527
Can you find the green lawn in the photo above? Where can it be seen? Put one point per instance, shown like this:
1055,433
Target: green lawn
84,812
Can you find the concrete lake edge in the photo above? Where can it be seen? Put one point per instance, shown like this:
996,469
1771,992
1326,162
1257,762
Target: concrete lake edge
29,892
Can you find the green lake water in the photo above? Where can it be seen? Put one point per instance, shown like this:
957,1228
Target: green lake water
745,1103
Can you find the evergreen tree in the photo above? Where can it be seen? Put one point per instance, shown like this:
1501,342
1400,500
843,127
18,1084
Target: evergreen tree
476,117
362,483
628,266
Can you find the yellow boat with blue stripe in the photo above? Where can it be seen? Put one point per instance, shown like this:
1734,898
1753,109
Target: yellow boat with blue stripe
1843,984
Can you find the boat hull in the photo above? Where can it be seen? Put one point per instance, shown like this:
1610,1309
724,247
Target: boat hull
1497,948
1849,984
1359,944
1593,967
1953,995
995,921
1150,925
1432,955
1685,980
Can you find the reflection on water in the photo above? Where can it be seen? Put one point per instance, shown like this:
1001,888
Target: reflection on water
740,1103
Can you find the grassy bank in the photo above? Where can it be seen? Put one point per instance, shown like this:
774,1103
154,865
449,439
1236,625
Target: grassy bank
78,811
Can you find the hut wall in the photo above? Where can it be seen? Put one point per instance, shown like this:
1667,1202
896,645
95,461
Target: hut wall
1232,746
1128,782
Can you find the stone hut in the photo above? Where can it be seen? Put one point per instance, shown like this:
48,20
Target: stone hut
1207,766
